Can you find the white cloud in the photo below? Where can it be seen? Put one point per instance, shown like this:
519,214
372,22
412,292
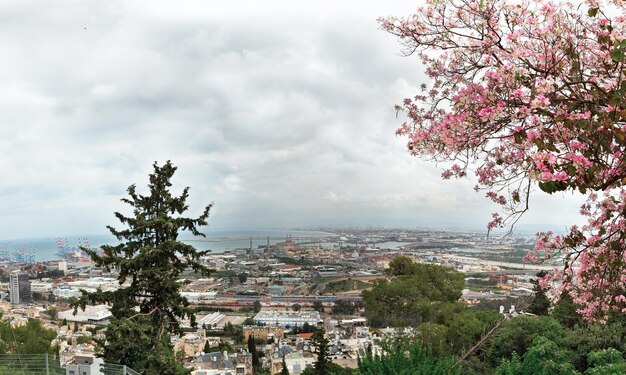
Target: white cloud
279,112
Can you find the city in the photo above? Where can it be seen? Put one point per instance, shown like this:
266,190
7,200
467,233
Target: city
350,187
273,293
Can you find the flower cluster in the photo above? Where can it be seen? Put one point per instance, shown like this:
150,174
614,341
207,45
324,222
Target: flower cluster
530,94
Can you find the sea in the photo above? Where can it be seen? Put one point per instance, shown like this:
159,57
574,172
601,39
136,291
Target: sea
46,248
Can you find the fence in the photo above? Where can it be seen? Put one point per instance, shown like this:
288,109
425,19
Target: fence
30,364
48,364
109,369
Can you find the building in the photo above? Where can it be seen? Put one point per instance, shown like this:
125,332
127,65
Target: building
84,364
288,319
19,287
263,333
92,314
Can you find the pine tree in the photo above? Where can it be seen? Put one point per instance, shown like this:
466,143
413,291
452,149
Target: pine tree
284,370
565,311
322,350
253,353
539,303
150,259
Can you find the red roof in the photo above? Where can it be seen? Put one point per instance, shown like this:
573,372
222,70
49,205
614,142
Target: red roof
305,335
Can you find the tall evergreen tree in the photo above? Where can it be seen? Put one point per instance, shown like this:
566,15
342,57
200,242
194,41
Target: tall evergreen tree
254,354
150,259
284,370
565,311
539,304
322,350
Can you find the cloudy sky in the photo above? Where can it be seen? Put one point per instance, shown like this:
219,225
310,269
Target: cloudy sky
280,112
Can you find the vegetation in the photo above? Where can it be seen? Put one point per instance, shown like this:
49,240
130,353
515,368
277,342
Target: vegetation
257,306
255,354
539,303
322,351
318,306
404,358
343,307
32,338
417,293
151,259
345,286
530,97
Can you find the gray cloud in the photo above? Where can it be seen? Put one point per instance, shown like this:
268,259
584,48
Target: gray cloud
281,114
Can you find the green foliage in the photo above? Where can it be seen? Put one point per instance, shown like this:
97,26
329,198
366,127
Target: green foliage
256,364
284,370
322,351
318,306
32,338
404,359
52,312
583,340
417,293
434,336
539,304
84,340
517,335
545,357
151,259
257,306
606,362
565,311
460,332
345,286
343,307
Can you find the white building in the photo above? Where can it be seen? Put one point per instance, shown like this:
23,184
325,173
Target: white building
211,319
92,314
85,364
288,318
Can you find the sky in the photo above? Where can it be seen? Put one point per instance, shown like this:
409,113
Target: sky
281,113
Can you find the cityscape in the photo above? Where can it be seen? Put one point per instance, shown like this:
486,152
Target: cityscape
416,187
271,292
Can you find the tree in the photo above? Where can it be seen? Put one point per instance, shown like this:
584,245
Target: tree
606,362
322,351
284,370
539,304
296,307
566,312
243,277
32,338
343,307
543,358
318,306
530,96
583,340
418,293
253,352
257,306
403,358
53,312
150,259
517,336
